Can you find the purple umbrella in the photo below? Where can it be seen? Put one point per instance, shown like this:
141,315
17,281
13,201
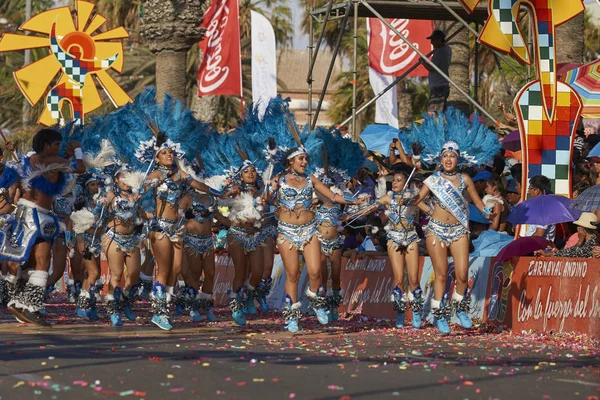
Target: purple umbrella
543,210
512,141
521,247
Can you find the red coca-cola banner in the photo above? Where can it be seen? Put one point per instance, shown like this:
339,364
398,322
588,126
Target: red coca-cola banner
390,55
220,72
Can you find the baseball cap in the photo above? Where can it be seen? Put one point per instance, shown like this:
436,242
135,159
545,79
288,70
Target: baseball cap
511,187
484,175
437,34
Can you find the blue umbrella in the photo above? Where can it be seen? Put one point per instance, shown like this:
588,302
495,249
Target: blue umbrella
544,210
476,216
595,152
588,200
490,243
377,137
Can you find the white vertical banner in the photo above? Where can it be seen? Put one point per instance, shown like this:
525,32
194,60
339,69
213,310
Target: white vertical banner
264,61
386,107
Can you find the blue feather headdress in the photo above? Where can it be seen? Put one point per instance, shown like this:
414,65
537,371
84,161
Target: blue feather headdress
139,129
9,176
221,155
278,124
69,132
340,159
472,140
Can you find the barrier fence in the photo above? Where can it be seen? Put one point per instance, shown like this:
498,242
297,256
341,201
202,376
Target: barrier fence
541,294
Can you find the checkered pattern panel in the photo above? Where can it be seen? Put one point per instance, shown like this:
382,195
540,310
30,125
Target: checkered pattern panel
549,145
72,90
505,12
65,91
506,18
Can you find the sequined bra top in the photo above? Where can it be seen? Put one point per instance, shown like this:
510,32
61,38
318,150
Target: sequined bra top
331,215
123,210
63,205
203,212
290,197
171,190
397,212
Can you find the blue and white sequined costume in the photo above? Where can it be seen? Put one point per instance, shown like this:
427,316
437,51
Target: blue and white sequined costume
200,244
330,216
290,198
402,233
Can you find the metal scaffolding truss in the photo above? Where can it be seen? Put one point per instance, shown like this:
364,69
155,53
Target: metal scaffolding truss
408,9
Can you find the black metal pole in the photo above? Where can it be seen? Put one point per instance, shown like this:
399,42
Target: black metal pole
316,51
331,64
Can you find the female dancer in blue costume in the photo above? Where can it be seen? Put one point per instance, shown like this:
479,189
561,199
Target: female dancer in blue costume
87,224
402,244
448,228
63,208
297,233
246,235
44,175
160,135
121,243
341,159
199,247
246,241
170,185
329,218
9,193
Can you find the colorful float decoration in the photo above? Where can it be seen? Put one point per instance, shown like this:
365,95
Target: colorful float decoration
547,110
78,52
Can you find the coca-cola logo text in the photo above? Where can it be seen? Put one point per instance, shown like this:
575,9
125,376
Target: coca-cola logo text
214,74
391,55
396,54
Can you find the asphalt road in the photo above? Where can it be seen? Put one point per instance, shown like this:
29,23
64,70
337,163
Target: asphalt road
354,359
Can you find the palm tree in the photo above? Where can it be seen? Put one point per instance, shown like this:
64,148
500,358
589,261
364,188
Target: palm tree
459,67
570,40
171,28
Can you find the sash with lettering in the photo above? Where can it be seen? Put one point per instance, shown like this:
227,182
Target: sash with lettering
449,195
390,55
220,72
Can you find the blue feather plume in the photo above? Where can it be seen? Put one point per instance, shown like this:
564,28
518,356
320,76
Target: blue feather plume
127,127
9,177
477,143
342,154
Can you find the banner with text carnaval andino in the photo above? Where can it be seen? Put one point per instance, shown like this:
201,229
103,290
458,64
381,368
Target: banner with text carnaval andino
545,294
368,283
220,73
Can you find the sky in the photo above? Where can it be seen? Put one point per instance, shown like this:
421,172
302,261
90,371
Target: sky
300,40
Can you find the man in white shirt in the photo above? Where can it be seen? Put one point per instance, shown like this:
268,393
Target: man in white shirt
439,88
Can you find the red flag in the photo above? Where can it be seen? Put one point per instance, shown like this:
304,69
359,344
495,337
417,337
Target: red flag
220,72
390,55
